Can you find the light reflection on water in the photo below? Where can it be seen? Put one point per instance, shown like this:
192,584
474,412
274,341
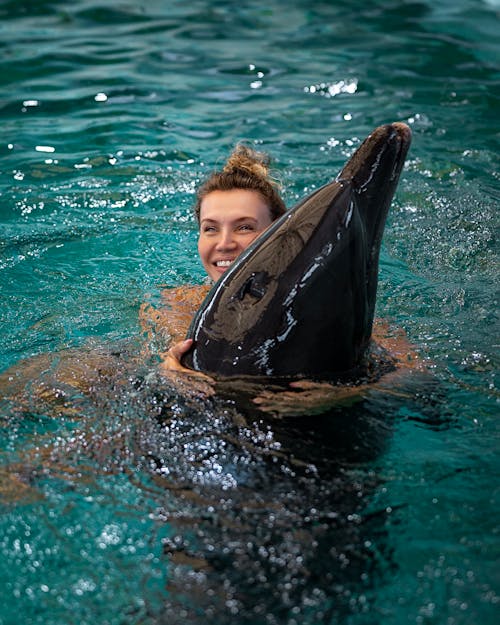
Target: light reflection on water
153,505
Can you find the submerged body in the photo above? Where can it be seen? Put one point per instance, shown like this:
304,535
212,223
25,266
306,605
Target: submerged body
300,300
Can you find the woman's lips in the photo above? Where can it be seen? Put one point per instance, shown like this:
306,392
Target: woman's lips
223,264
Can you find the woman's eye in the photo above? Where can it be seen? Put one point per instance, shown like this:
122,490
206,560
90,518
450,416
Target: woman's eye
246,227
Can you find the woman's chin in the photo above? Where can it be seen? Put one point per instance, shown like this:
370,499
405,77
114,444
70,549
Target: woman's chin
217,272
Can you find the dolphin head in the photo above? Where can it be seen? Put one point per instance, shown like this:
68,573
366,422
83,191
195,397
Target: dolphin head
300,300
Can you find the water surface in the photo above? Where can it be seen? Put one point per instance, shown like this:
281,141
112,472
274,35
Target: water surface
157,507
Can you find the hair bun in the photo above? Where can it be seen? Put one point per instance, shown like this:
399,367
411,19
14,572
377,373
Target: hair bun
246,159
245,169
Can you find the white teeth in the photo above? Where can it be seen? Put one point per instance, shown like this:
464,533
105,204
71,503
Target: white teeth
223,263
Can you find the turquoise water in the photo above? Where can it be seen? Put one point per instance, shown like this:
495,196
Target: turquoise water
154,508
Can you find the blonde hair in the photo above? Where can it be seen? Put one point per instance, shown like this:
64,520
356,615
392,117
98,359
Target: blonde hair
244,169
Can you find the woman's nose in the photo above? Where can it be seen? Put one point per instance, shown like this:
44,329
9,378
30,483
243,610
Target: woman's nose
226,240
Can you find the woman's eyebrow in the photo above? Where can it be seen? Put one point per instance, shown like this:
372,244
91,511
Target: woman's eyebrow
214,221
237,221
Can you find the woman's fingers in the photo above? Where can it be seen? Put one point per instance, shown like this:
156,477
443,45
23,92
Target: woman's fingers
178,350
172,358
309,385
172,361
306,397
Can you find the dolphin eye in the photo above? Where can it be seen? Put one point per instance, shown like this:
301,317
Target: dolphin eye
255,285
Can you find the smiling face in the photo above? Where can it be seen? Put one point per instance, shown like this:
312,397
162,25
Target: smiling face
229,222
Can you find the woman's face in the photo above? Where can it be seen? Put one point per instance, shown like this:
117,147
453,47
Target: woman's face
229,222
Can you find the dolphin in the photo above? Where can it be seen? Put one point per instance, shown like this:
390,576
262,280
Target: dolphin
300,300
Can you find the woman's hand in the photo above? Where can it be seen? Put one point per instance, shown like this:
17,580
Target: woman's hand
172,359
307,397
171,367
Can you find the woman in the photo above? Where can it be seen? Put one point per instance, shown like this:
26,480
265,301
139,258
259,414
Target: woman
233,207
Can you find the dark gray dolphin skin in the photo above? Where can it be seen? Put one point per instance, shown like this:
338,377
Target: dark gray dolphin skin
299,302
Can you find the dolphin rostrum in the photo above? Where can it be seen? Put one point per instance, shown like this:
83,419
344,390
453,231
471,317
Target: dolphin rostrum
300,300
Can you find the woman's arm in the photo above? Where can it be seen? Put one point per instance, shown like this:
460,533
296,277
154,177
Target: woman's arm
172,319
171,322
307,397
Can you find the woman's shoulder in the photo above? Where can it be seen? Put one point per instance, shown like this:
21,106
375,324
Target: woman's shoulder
185,296
171,318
